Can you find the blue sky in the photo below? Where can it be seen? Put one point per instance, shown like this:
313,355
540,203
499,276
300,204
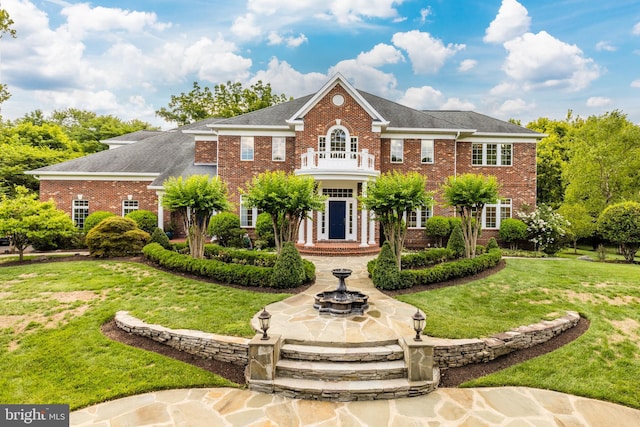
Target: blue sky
505,58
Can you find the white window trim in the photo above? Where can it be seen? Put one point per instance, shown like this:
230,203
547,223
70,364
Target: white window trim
254,215
130,208
246,140
401,151
418,211
432,150
499,162
506,202
75,209
275,142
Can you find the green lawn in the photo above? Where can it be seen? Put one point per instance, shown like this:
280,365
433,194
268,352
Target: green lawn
604,363
52,351
51,347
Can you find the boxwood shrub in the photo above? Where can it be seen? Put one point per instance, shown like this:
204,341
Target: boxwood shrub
223,272
441,272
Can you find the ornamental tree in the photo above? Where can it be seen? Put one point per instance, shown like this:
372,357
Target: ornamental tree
389,197
195,199
620,223
287,198
24,218
512,230
468,194
546,229
581,224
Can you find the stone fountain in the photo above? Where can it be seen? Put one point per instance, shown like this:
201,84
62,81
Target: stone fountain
341,302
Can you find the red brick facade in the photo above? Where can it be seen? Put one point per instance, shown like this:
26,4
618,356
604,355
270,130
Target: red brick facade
319,118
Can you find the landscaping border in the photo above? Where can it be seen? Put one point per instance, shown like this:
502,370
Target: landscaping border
447,353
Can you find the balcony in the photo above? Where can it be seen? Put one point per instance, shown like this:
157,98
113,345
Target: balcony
337,162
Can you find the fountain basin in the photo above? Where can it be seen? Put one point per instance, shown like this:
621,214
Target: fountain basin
341,302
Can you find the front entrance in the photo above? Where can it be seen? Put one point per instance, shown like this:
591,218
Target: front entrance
337,216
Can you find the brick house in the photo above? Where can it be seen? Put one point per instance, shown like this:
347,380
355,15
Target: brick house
340,136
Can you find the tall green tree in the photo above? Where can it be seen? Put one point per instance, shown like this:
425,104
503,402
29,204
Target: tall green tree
389,197
604,166
5,28
226,100
24,218
468,194
287,198
620,224
581,224
552,156
88,128
195,199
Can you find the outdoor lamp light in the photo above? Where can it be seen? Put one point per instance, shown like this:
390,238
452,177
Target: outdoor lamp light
265,320
418,324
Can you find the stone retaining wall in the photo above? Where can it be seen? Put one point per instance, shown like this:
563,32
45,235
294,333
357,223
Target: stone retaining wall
211,346
447,353
452,353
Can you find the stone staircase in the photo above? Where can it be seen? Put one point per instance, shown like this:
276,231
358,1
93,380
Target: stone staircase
331,371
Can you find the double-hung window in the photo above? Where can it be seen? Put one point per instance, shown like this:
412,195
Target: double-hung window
248,216
397,150
426,151
80,211
492,154
129,206
494,214
417,218
246,148
278,148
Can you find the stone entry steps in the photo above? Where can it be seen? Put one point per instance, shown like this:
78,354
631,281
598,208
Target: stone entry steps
332,371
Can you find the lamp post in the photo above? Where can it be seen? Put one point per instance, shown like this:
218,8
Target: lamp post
418,324
265,320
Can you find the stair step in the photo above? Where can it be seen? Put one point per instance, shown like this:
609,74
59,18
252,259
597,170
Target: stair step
341,371
345,390
342,354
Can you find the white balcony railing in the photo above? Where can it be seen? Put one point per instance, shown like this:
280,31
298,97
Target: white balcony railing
338,160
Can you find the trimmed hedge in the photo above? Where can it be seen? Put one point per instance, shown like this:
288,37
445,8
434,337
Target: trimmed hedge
426,258
443,271
223,272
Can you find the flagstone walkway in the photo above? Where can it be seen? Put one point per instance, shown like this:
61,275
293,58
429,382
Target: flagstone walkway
296,318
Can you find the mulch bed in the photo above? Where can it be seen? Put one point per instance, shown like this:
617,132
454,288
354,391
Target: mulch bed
449,378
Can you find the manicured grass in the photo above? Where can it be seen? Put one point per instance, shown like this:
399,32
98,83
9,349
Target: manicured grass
604,363
51,347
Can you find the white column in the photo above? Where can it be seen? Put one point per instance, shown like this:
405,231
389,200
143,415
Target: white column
372,229
309,229
364,220
301,233
160,211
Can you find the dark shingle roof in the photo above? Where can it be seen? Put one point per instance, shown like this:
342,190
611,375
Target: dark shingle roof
479,122
133,136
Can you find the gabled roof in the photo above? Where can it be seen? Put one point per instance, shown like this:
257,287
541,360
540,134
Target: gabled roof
480,122
133,136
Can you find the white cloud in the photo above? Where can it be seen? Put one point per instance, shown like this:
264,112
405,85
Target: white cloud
425,13
246,28
540,60
512,107
284,79
599,101
636,29
422,98
277,39
458,104
512,21
427,54
606,46
381,54
635,83
467,65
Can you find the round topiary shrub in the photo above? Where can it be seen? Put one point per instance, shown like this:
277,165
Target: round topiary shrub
492,244
225,228
438,228
95,218
512,231
160,237
456,242
386,275
146,220
116,236
264,231
288,271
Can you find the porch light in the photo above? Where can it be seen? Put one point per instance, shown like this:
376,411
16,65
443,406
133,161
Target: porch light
419,321
129,197
265,320
79,196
